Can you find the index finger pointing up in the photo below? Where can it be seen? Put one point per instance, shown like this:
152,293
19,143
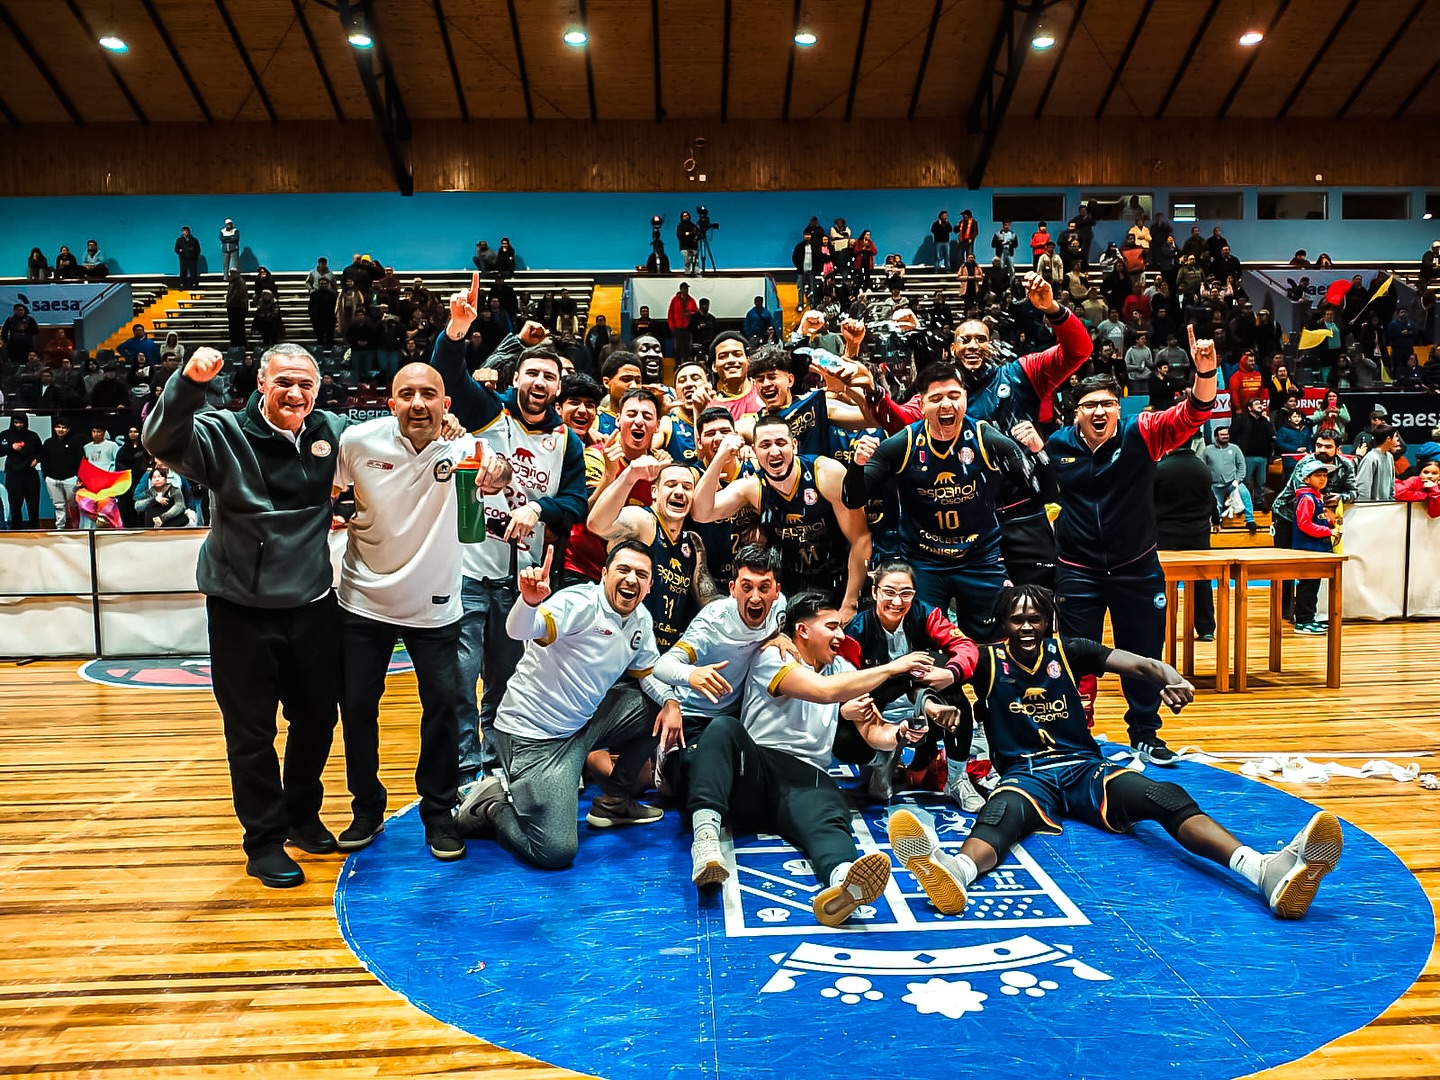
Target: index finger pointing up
475,290
1191,329
545,566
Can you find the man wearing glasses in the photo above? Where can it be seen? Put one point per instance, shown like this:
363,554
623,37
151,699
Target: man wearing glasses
1105,534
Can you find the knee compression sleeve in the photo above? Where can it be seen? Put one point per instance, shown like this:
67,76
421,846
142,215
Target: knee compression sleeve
1134,798
1007,819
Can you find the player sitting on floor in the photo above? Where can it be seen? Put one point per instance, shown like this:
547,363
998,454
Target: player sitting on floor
769,768
1051,768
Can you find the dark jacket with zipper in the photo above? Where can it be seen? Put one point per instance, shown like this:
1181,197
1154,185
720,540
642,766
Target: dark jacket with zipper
270,498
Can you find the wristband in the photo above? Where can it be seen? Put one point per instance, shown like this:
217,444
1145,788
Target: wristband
1206,374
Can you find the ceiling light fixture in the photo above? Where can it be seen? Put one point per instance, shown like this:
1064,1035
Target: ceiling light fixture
360,39
1252,37
575,37
805,38
114,43
1042,40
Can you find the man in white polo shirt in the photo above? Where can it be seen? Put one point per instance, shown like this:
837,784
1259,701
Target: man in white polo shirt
401,578
569,696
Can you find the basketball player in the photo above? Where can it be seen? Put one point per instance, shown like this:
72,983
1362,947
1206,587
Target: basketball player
724,537
812,414
401,578
619,375
799,502
731,364
1051,768
769,769
681,584
676,436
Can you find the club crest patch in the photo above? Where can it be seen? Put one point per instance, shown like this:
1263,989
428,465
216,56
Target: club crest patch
320,448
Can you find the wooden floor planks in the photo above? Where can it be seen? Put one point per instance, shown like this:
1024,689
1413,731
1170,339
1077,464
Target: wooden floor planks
132,944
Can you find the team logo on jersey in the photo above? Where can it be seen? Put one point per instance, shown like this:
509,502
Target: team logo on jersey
1160,600
604,631
966,455
635,639
946,477
442,470
548,443
810,496
1053,669
320,448
1003,390
685,548
373,464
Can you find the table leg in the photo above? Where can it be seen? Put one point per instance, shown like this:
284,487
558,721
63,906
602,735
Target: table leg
1172,594
1277,621
1332,637
1242,627
1222,633
1187,648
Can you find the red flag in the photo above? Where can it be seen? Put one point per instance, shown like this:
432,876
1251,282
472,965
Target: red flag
1335,294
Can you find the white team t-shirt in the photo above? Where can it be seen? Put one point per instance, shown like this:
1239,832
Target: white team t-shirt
717,633
801,729
402,554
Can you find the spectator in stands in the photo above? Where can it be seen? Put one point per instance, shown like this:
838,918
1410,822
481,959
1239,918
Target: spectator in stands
1227,476
132,457
759,318
229,247
1038,239
110,394
1331,416
139,344
1401,335
1138,362
237,309
160,500
505,259
1323,261
67,267
682,309
1246,384
863,261
1005,243
100,451
484,258
967,231
268,324
1185,516
597,338
687,236
1375,475
1050,266
21,449
1252,431
265,282
18,333
323,307
331,396
92,263
643,325
321,273
187,250
60,458
1429,266
703,327
1423,487
1138,235
1292,434
37,267
940,231
1164,388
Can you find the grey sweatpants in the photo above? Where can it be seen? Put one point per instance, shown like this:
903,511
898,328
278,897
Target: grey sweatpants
540,823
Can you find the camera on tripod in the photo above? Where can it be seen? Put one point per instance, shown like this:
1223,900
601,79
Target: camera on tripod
702,220
655,222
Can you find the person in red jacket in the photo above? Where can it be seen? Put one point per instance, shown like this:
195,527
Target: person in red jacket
966,230
682,307
1246,384
1038,239
1422,488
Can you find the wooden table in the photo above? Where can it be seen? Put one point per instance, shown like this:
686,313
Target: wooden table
1194,566
1279,565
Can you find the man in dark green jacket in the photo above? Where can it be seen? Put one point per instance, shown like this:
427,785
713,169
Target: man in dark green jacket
265,571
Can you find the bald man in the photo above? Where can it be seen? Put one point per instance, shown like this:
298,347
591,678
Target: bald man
400,579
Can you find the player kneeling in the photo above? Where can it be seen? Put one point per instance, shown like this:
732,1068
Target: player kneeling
1052,768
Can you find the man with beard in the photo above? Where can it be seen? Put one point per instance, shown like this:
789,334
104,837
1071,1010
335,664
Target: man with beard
723,538
733,387
798,498
769,769
1006,394
676,436
569,696
401,578
1339,491
547,489
638,420
681,584
946,467
1105,535
1051,769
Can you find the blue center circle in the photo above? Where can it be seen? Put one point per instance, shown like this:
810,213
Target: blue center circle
1083,955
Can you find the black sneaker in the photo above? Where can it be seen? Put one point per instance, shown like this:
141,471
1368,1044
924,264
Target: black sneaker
1153,751
474,815
275,869
445,844
359,834
314,837
604,815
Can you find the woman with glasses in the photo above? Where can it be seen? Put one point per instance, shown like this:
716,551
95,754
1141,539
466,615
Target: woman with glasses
928,710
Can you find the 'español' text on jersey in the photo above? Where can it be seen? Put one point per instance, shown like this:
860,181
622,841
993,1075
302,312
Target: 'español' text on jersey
1034,712
803,526
947,495
671,599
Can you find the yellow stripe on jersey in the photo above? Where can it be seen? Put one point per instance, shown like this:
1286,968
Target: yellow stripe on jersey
980,428
640,673
1050,827
774,687
688,649
909,445
1059,644
548,638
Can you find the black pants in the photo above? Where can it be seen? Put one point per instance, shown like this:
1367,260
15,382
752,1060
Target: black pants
1307,598
23,487
236,321
765,790
368,644
1027,544
1135,599
189,271
261,658
1285,538
323,327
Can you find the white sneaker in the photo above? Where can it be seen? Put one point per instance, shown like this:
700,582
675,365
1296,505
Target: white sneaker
1290,877
916,845
963,792
707,860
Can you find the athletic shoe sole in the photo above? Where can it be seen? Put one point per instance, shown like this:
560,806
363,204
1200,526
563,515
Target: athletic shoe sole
1170,760
599,822
714,872
1320,844
362,842
916,851
446,855
865,880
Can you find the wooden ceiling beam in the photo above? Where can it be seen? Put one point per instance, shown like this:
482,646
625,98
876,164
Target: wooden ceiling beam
925,59
169,42
1124,58
1060,58
859,56
109,62
1250,62
725,66
1402,28
520,59
655,48
1184,66
450,59
589,67
245,59
1414,95
41,66
1299,86
8,114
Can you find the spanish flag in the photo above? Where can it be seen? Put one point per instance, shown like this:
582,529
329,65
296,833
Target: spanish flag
95,494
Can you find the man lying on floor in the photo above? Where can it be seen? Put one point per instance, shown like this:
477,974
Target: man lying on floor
768,769
1051,768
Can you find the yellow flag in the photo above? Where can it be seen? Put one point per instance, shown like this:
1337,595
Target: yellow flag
1309,339
1383,289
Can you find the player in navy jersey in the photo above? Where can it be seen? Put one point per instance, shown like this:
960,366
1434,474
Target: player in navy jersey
676,436
882,512
620,374
946,469
825,545
681,585
1051,768
813,414
723,538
